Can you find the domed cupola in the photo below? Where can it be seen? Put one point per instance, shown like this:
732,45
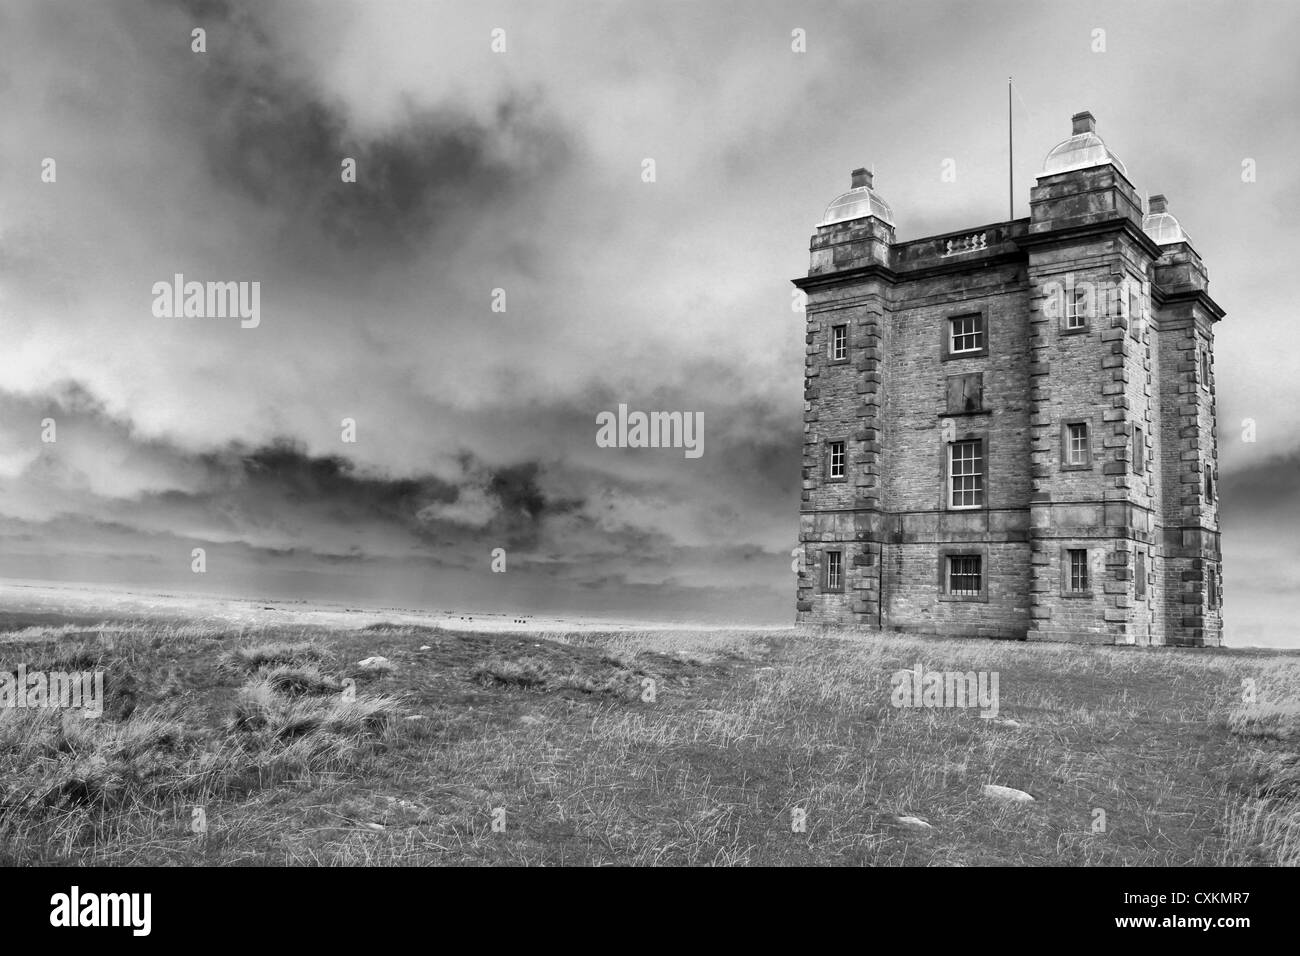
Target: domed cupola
1160,224
858,203
1082,150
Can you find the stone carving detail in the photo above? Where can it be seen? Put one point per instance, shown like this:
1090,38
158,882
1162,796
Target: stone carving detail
975,242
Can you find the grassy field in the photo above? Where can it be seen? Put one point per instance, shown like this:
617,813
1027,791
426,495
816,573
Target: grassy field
656,747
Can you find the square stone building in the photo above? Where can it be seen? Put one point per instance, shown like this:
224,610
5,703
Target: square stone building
1009,431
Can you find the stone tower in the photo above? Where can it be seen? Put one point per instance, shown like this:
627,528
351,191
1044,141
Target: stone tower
1009,431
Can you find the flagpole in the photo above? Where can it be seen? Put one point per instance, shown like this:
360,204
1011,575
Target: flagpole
1011,186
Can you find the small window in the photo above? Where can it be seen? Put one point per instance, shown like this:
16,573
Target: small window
1205,367
966,334
1209,483
1075,452
1078,570
839,343
961,569
1140,574
834,580
966,474
1211,587
1139,450
1077,306
835,460
965,575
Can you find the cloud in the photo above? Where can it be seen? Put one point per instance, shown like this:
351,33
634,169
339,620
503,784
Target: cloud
276,496
630,522
272,136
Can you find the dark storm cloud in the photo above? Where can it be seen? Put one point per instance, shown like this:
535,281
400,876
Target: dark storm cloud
270,136
255,487
250,113
285,467
344,493
520,494
513,501
1265,488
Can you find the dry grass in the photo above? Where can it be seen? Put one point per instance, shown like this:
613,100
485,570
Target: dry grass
275,654
615,675
296,756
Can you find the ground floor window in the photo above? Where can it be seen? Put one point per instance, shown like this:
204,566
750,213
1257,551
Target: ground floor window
963,571
965,574
1076,571
833,579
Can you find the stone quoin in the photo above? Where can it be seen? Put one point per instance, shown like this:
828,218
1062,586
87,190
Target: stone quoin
1009,430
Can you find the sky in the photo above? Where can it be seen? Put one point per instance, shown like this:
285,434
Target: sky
523,171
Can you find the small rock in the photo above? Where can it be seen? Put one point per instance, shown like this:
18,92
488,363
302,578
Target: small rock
372,826
426,647
375,663
915,822
1006,793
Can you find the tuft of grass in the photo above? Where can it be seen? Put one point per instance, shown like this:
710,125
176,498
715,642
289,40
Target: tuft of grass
298,679
527,673
619,657
79,762
620,683
69,781
532,673
1269,704
260,707
251,659
1272,721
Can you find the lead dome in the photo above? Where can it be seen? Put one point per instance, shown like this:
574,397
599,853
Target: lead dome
859,202
1161,225
1083,150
